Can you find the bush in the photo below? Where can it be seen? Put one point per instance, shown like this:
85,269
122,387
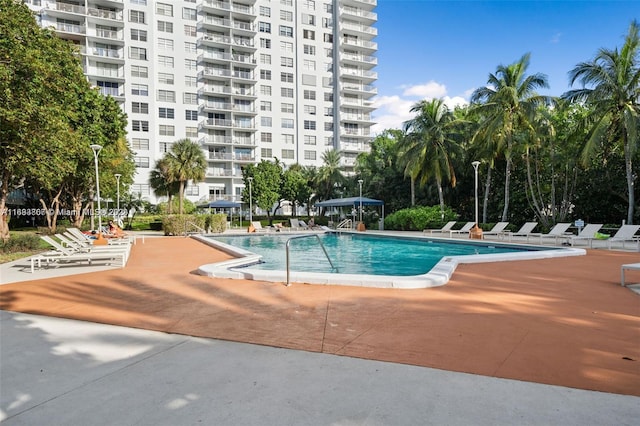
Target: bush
179,224
21,242
216,222
419,218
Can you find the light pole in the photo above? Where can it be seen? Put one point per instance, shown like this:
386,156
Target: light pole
96,150
475,165
117,175
360,184
250,179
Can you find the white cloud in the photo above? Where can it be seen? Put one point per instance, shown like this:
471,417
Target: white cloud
393,111
556,38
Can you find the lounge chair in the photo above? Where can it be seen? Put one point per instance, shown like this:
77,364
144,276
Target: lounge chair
295,224
524,231
464,230
558,231
588,233
303,225
65,254
128,239
498,229
445,228
624,234
68,241
630,267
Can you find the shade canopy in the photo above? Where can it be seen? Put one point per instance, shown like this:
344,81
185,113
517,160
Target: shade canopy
220,204
351,201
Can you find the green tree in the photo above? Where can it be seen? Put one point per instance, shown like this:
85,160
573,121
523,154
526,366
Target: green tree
507,105
162,183
429,144
295,187
329,175
611,84
266,185
186,162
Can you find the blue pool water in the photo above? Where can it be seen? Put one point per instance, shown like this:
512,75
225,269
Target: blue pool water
358,254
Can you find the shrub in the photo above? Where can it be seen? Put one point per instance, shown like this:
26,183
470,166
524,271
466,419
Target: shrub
418,218
180,224
21,242
216,222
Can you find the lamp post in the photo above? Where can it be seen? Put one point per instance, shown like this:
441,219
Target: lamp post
250,179
117,175
360,224
96,150
475,165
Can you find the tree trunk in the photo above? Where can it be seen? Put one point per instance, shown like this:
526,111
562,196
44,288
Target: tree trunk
4,216
441,198
630,183
181,197
51,213
487,190
413,191
507,181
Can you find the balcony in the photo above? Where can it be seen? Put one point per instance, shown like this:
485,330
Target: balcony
214,88
216,22
355,132
65,7
367,45
218,106
364,117
71,28
358,14
217,122
362,74
215,5
104,53
359,28
108,34
215,56
214,72
356,102
220,172
368,60
366,89
216,39
244,75
241,8
105,14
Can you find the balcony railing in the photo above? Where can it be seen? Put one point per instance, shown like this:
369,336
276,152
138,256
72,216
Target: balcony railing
355,132
360,73
360,28
217,4
65,7
358,12
214,88
70,28
360,43
110,34
241,8
106,53
243,41
218,105
217,21
217,38
216,72
105,14
247,26
360,58
368,88
220,122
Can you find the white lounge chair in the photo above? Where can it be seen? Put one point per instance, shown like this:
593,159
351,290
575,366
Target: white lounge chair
68,241
558,231
588,233
295,224
303,225
498,229
129,239
445,228
630,267
524,231
64,254
464,230
624,234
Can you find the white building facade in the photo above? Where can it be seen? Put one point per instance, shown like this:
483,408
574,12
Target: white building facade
246,79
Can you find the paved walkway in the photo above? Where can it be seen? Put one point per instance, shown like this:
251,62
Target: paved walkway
563,322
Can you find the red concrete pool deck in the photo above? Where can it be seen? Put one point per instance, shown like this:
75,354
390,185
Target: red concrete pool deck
564,321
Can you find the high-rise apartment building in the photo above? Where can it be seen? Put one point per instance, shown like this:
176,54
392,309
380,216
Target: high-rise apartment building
246,79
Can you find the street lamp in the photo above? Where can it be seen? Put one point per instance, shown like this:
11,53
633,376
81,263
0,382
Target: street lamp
475,165
96,150
360,184
250,179
117,175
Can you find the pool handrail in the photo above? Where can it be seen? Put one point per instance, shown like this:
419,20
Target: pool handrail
305,236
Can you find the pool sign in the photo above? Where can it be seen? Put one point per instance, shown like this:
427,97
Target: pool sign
579,224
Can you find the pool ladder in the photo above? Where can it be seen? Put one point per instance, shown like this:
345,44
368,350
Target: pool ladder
306,236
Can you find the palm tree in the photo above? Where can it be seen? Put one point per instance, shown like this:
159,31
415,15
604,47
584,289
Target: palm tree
186,162
613,78
429,144
508,104
160,180
329,174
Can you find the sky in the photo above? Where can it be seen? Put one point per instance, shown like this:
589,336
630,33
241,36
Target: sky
446,49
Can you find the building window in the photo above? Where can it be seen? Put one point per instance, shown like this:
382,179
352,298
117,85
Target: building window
288,154
286,2
328,127
286,108
138,53
139,125
265,59
190,47
164,9
165,44
190,98
328,97
265,90
190,81
191,115
139,143
136,16
264,27
309,125
286,46
327,22
309,4
140,89
265,11
190,31
139,71
287,139
286,15
265,75
139,188
266,137
165,27
141,162
167,130
308,19
309,34
191,132
165,61
286,31
166,113
190,64
310,109
265,121
189,14
138,35
265,105
309,155
309,50
310,95
286,77
328,38
265,43
309,64
266,153
286,92
286,123
165,78
140,107
286,62
166,96
309,140
193,190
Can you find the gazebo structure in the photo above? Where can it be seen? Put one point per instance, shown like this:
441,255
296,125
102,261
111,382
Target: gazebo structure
223,204
353,202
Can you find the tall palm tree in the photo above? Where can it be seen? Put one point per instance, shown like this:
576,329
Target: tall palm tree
329,174
186,162
162,183
507,104
613,80
430,143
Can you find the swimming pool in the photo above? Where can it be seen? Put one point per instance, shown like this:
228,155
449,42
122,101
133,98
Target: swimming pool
372,260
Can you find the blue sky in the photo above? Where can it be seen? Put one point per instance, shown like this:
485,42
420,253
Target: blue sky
446,48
